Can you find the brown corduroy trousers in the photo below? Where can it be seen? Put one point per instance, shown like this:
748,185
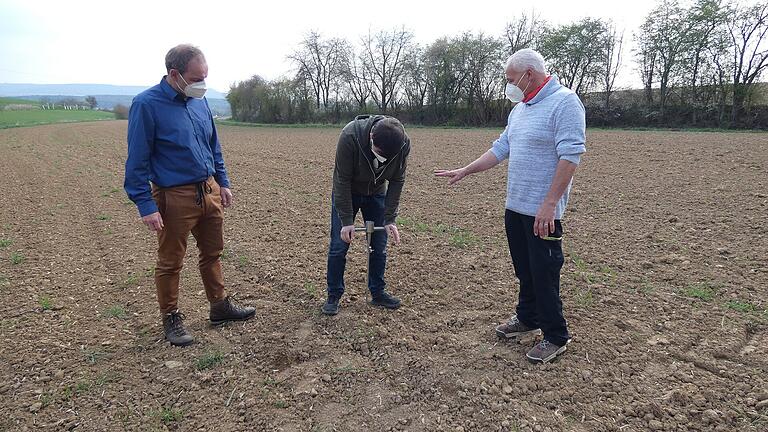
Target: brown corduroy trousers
194,208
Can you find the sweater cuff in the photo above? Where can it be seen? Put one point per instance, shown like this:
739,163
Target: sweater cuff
500,156
571,158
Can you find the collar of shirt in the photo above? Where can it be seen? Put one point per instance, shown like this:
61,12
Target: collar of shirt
536,91
170,92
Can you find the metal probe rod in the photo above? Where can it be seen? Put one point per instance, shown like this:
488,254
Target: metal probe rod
368,229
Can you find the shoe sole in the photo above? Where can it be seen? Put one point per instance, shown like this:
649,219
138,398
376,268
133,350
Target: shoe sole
549,357
384,306
329,313
220,322
516,335
181,344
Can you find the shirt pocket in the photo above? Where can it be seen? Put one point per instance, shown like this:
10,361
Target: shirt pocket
202,125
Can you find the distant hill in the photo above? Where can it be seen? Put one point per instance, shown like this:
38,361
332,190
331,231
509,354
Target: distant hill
13,90
219,107
107,96
4,101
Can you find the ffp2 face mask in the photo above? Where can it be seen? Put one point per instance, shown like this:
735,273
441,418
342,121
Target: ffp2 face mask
195,90
513,91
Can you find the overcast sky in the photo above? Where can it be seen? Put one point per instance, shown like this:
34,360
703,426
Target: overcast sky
124,43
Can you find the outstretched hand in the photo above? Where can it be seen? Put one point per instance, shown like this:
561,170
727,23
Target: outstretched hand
453,175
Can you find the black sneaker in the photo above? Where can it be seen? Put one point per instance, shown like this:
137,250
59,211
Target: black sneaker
385,300
173,327
331,306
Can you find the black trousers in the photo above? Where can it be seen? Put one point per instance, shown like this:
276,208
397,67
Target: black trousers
537,265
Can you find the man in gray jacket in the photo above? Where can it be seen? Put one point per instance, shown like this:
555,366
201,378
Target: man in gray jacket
543,141
369,174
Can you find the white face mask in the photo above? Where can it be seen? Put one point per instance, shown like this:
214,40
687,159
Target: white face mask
194,90
381,159
514,93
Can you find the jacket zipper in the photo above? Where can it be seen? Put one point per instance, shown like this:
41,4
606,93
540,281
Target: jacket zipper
370,165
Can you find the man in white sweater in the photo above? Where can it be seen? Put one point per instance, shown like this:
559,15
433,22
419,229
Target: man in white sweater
543,140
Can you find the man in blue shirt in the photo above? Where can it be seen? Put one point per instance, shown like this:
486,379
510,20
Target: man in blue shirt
175,175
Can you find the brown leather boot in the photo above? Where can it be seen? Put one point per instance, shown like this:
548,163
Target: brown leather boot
228,310
175,332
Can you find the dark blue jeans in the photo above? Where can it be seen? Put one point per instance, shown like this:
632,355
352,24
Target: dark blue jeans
373,209
537,265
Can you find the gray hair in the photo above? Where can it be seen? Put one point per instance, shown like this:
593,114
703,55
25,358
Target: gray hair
525,59
179,57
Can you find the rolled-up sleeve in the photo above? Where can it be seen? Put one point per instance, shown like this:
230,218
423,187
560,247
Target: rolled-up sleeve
137,165
570,129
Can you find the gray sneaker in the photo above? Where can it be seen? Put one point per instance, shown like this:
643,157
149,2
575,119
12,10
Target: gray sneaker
544,352
514,329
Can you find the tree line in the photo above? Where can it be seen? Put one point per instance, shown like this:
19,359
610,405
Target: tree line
697,63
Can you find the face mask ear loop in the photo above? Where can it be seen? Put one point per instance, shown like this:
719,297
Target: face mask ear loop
182,78
518,81
178,87
526,86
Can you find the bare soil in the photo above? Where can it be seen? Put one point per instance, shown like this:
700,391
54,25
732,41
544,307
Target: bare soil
664,289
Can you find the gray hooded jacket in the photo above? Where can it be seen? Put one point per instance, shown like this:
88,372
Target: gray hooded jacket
354,171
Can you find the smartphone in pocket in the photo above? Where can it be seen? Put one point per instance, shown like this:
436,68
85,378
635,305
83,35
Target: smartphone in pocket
557,235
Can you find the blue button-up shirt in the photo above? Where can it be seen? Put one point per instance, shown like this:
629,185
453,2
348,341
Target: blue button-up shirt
172,141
